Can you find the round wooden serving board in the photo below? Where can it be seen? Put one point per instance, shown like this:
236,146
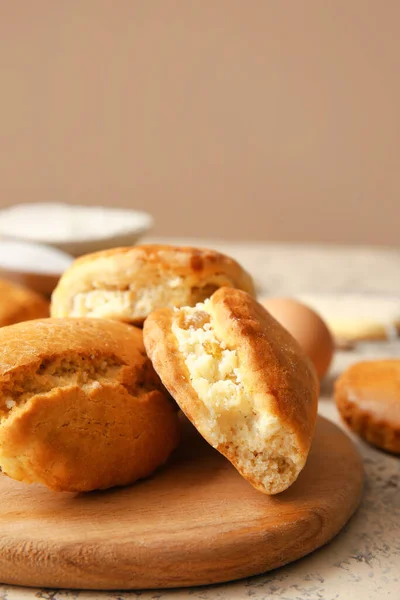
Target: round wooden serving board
195,522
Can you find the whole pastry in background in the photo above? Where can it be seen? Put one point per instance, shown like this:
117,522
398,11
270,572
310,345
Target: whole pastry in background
368,398
242,380
307,327
81,407
20,304
127,284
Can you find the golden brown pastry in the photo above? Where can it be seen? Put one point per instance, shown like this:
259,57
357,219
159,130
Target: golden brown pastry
242,380
368,398
127,284
20,304
81,407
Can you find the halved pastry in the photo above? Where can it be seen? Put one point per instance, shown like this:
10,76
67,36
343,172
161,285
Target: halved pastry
242,380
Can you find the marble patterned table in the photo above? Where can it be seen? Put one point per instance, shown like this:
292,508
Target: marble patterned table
363,562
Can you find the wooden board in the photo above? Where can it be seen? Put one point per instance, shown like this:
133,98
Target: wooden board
194,522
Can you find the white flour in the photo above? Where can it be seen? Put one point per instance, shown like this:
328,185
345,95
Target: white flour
52,223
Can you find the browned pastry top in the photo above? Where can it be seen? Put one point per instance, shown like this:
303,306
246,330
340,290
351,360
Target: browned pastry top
81,407
127,284
368,398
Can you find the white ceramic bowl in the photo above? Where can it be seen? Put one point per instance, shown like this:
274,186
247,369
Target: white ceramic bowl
74,229
34,266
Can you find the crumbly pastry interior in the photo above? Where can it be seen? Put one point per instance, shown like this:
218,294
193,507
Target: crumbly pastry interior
235,418
138,301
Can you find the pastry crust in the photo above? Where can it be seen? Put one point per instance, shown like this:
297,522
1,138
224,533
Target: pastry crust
367,395
81,407
20,304
262,415
127,284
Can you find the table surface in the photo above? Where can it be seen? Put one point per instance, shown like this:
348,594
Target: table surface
363,561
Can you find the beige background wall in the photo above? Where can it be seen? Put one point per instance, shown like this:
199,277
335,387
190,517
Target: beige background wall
237,118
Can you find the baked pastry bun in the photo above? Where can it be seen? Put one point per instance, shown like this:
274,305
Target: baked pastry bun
367,395
242,380
127,284
20,304
81,407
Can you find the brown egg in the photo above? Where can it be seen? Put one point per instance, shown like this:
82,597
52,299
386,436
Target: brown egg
307,327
